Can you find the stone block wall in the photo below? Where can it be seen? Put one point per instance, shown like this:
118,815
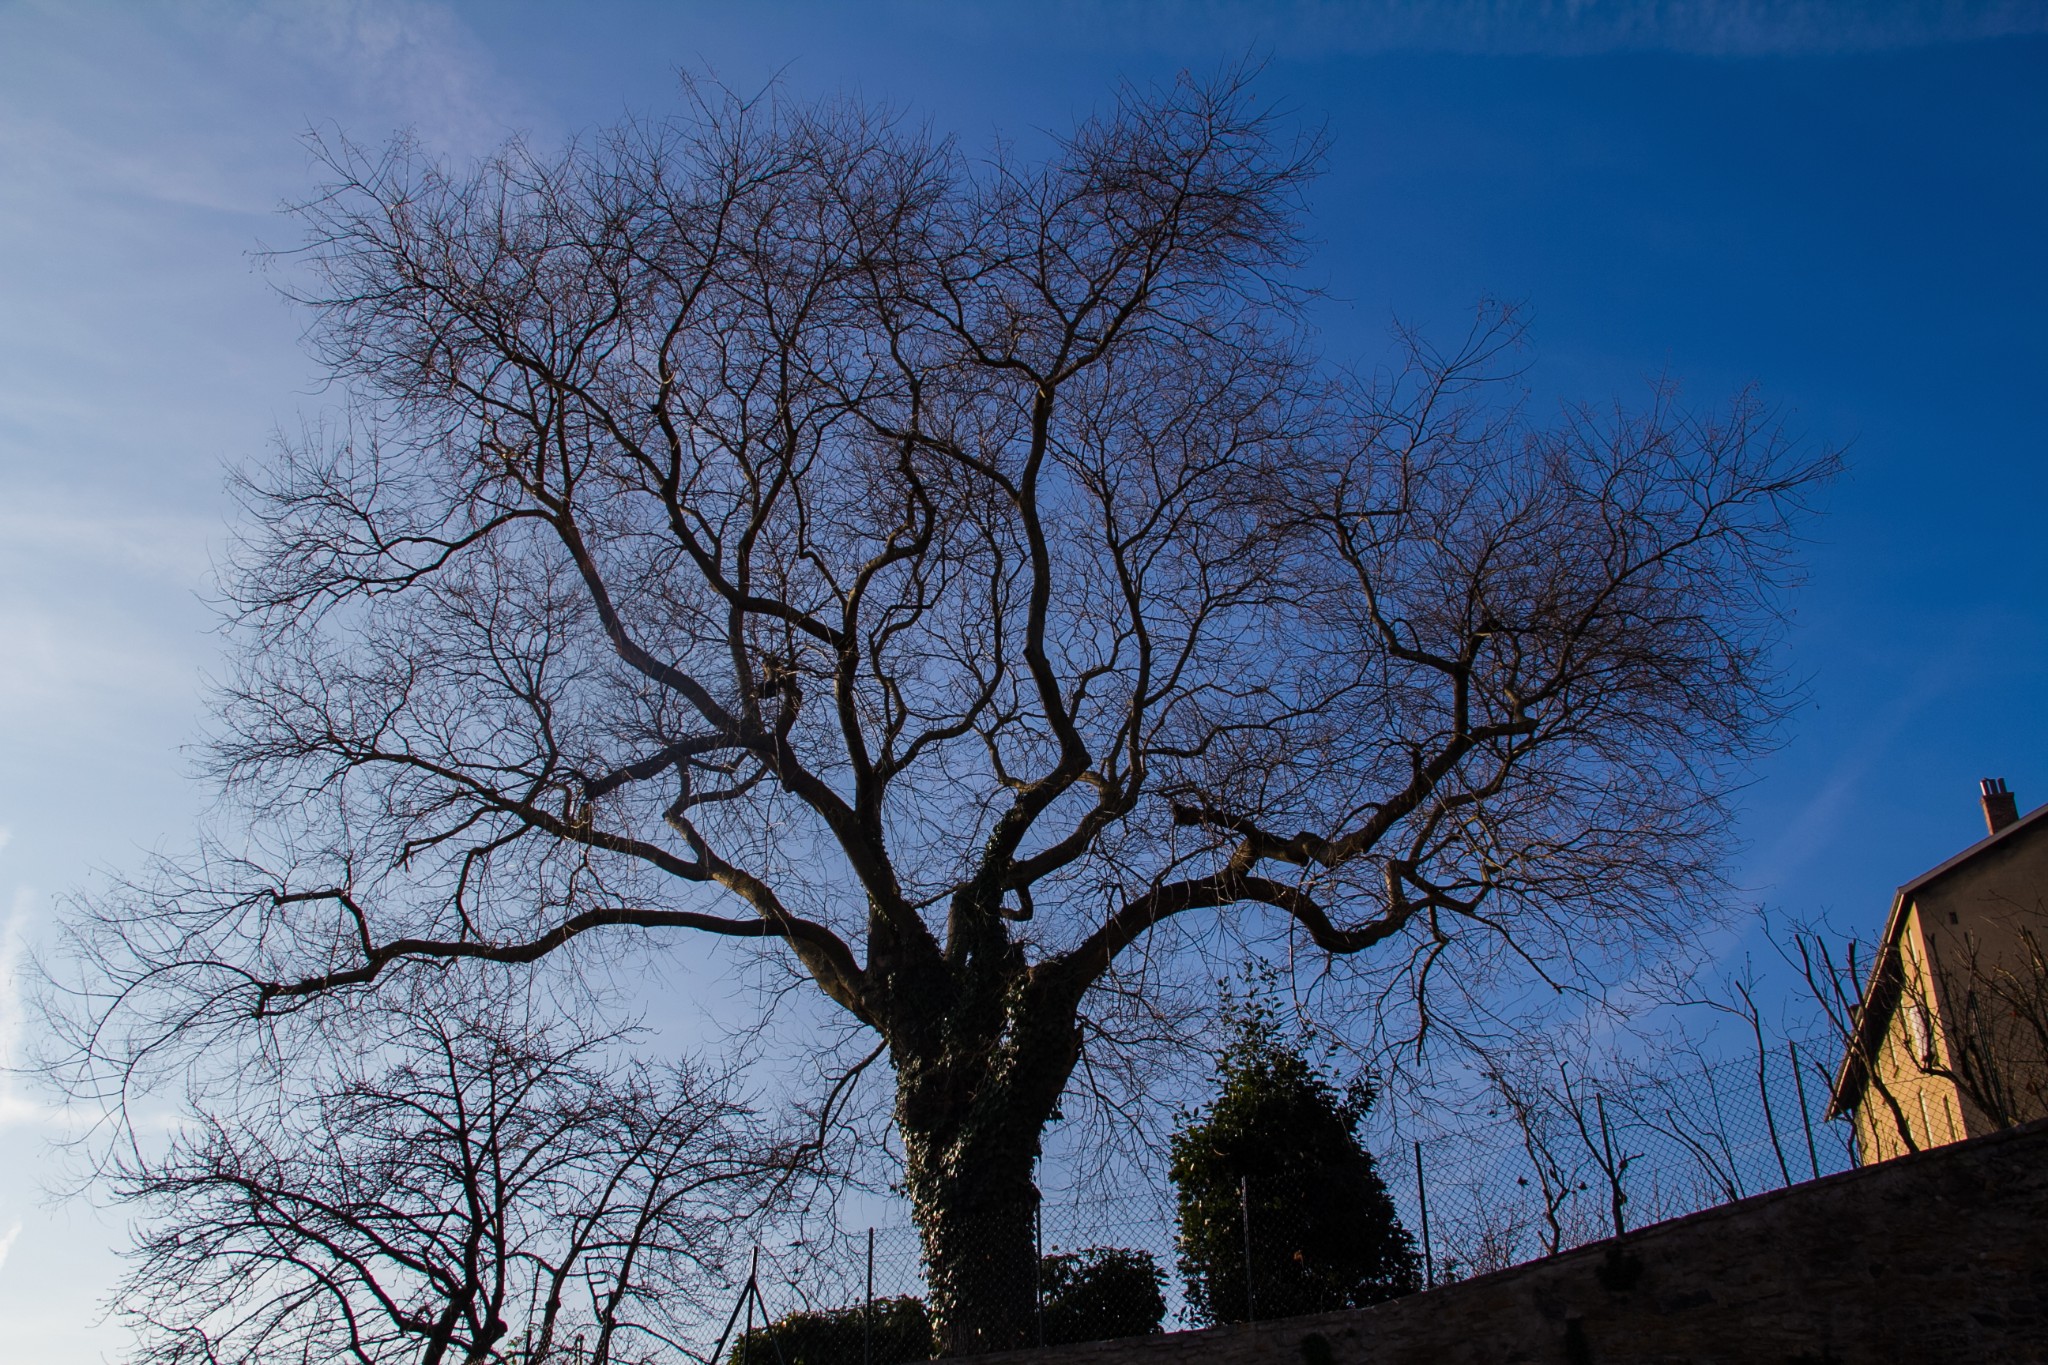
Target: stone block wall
1936,1257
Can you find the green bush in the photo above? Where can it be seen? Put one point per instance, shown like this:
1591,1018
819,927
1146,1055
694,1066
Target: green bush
1280,1139
833,1336
1088,1295
1100,1293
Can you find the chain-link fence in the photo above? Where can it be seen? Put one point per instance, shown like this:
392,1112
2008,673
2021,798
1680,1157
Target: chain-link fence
1084,1271
1559,1164
1571,1162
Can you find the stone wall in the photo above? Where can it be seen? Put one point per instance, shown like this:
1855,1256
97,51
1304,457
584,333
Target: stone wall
1936,1257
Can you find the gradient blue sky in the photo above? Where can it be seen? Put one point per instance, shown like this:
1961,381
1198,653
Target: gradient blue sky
1845,204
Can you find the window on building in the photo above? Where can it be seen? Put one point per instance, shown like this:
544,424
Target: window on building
1920,1028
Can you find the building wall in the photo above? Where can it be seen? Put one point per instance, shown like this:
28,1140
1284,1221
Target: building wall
1930,1109
1936,1257
1962,945
1977,927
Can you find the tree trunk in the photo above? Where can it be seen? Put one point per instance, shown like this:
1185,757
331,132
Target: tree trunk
975,1086
980,1256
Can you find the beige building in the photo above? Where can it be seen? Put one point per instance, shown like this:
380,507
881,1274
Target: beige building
1950,1036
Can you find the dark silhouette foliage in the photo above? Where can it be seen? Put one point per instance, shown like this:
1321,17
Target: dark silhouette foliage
1278,1148
1090,1295
1101,1293
901,1330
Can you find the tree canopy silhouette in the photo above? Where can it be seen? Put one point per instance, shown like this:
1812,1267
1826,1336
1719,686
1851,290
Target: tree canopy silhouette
773,524
457,1183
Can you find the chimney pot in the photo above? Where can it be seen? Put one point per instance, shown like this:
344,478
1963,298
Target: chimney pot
2001,807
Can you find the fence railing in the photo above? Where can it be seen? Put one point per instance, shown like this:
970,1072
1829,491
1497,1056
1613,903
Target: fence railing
1578,1162
1557,1166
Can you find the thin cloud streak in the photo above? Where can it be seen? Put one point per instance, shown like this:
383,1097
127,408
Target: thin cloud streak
1818,819
158,544
17,1110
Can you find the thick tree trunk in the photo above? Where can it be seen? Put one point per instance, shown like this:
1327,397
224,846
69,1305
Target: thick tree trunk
976,1084
981,1254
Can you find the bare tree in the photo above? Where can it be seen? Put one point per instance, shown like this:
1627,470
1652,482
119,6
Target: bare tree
1538,1120
465,1189
1659,1123
772,524
1979,1020
1834,982
1731,995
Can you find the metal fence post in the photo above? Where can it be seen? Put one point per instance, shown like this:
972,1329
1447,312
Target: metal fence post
753,1292
1038,1266
1422,1199
1613,1176
1666,1134
1805,1114
1244,1208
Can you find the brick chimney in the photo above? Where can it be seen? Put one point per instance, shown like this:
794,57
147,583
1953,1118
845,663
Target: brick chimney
2001,808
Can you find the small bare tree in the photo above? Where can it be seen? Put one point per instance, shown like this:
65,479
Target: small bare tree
1980,1022
464,1189
1587,1109
1834,982
1539,1123
773,525
1732,994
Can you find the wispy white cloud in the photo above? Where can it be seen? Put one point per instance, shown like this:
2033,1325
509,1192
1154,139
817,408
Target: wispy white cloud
99,618
145,150
147,146
410,58
1817,821
196,104
160,544
17,1108
56,670
1819,818
7,1240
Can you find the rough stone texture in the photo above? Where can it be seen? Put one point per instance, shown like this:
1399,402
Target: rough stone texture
1936,1257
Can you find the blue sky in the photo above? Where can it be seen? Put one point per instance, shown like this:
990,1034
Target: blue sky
1844,204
